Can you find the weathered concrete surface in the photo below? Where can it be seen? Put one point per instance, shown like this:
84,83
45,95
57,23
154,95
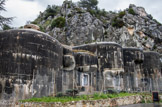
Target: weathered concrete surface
33,64
152,71
30,64
110,63
133,60
86,71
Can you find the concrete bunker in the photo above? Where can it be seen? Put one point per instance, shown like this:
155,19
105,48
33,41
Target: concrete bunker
152,71
133,60
109,64
30,64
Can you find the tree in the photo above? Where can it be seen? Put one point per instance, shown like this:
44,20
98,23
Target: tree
88,4
3,20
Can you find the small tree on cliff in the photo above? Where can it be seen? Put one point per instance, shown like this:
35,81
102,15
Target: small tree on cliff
4,20
89,4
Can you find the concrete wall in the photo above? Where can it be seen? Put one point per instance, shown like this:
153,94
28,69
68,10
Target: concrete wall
109,66
133,60
30,64
152,71
33,64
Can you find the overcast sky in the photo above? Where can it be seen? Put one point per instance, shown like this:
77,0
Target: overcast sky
25,10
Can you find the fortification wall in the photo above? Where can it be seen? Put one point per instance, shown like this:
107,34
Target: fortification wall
30,64
33,64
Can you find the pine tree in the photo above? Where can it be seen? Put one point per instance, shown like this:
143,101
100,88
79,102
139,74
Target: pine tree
88,4
4,20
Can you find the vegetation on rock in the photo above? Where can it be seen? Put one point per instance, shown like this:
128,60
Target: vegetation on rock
131,11
102,25
88,4
58,22
117,22
121,14
51,11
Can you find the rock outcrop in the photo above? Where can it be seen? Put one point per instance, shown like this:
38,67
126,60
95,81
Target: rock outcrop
132,27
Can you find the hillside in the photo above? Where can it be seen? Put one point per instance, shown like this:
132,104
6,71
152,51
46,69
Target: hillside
73,25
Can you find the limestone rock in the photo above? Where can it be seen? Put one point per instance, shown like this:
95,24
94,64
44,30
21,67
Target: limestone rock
139,29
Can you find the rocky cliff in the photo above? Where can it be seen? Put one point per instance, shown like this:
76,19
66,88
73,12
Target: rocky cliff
73,25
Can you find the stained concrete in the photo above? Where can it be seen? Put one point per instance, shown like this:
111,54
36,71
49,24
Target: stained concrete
33,64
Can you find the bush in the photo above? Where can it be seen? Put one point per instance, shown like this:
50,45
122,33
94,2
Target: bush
121,14
51,11
111,91
71,92
79,10
117,23
41,28
131,11
6,27
69,15
60,94
157,21
58,22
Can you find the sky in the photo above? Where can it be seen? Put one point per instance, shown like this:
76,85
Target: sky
28,10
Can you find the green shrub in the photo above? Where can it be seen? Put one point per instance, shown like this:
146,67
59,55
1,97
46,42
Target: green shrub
71,92
105,33
154,47
79,10
131,11
51,11
145,37
157,21
69,6
92,12
69,15
58,22
6,27
41,28
121,14
60,94
116,22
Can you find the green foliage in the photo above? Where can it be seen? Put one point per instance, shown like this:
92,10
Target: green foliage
69,15
3,20
42,28
63,99
145,37
121,14
131,11
6,27
58,22
105,33
154,47
79,10
71,92
60,94
92,12
116,22
51,11
157,21
88,4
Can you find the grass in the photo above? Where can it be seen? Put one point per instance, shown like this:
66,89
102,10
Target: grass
64,99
